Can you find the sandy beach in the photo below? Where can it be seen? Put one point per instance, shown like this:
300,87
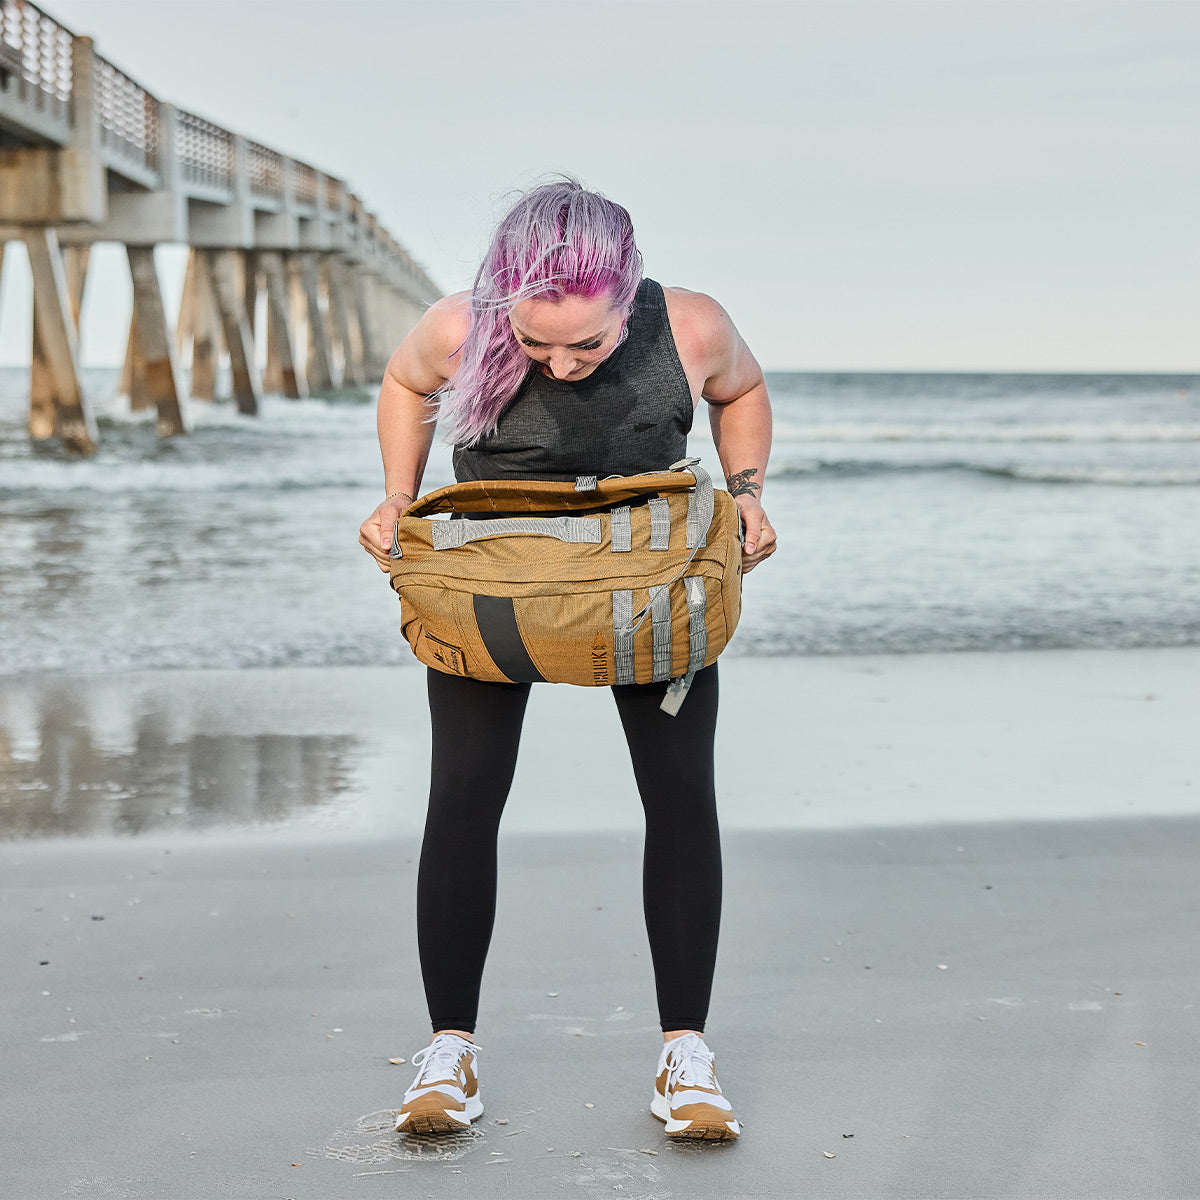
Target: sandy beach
956,956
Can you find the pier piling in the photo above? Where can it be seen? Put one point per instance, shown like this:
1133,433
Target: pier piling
227,269
159,382
55,335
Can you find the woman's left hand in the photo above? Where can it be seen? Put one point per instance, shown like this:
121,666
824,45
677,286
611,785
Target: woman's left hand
759,542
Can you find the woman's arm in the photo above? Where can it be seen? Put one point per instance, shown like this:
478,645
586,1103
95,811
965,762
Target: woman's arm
424,361
720,366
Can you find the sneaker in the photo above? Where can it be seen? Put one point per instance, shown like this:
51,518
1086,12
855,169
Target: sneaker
445,1094
687,1095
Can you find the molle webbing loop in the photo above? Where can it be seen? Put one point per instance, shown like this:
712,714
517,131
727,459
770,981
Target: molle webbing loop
660,523
621,538
623,637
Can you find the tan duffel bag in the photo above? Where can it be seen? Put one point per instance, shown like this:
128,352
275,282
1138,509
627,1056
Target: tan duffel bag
630,579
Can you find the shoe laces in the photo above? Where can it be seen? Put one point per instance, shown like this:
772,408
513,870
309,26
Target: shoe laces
690,1064
439,1060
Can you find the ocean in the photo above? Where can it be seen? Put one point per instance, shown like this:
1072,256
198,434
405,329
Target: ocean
916,512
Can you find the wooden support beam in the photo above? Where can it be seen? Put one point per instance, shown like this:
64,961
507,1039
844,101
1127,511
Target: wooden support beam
360,284
227,271
280,343
75,263
185,324
160,375
42,418
206,330
265,355
41,390
133,373
319,368
42,415
344,313
125,384
62,408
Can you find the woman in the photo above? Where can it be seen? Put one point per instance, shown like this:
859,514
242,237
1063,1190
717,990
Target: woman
563,361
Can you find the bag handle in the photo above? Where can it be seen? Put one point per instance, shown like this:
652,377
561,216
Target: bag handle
539,495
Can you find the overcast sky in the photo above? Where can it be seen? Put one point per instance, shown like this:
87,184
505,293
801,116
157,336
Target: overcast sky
905,184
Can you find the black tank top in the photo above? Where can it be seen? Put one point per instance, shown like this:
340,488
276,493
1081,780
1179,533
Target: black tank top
631,414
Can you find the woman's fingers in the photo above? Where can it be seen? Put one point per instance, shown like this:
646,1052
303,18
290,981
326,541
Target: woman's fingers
759,537
375,534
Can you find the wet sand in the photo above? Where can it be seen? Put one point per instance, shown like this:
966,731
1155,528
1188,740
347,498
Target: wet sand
803,743
942,973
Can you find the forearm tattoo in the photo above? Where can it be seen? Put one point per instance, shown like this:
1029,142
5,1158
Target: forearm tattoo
741,483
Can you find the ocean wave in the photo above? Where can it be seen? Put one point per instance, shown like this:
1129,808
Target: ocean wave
119,478
951,431
1110,476
1065,473
35,477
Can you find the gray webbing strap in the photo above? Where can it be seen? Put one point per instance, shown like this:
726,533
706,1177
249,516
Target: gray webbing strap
660,623
697,602
585,483
449,535
623,637
697,645
700,508
660,523
622,529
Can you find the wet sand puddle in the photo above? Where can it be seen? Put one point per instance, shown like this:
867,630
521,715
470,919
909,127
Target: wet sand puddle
372,1139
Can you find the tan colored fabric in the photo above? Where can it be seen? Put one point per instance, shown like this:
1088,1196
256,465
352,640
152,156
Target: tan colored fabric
562,593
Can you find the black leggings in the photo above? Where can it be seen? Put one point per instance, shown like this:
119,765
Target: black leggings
476,730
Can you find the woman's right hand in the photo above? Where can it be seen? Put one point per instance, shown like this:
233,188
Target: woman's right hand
375,533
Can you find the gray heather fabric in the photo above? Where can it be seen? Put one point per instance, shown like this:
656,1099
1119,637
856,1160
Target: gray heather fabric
632,414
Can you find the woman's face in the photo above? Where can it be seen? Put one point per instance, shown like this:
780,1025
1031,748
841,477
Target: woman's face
570,337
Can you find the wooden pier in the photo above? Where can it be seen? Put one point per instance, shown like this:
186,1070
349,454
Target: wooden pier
87,155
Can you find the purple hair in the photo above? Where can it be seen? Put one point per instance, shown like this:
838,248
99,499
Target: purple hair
557,240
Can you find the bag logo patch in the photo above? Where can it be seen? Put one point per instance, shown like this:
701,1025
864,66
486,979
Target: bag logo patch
451,657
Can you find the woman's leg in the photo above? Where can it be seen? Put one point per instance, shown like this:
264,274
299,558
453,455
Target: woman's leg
476,732
681,876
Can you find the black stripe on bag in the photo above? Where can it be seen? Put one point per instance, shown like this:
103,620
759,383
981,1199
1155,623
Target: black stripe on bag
497,623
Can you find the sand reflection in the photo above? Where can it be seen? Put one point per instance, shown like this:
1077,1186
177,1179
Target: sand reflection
67,769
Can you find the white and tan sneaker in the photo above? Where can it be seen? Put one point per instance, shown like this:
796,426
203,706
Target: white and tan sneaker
445,1094
687,1095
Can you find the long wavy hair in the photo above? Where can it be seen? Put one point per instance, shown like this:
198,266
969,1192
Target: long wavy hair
557,240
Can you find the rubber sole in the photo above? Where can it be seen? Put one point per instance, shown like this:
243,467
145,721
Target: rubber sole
433,1120
706,1131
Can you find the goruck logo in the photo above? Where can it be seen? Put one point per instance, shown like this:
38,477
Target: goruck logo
599,660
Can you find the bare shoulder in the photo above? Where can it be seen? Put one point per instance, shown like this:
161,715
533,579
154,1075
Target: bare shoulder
704,335
710,347
445,323
696,317
428,356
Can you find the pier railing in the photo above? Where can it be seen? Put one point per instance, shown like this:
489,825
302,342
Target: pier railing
88,155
